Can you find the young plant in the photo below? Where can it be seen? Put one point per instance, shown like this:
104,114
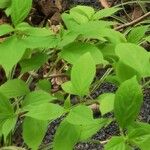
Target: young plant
84,44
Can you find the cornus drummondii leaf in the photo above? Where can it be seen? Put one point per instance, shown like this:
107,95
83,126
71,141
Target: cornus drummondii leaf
117,143
134,56
67,135
4,3
46,111
5,29
80,115
36,98
20,10
136,34
140,136
11,51
14,88
130,72
106,102
82,75
105,13
34,131
73,51
128,100
84,10
33,63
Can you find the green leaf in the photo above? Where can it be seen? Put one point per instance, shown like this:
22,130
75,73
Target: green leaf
68,88
11,51
34,31
108,51
33,132
80,115
134,56
136,34
8,126
116,143
101,31
107,12
128,100
82,74
36,98
69,22
140,136
89,130
6,110
130,72
34,42
14,88
67,135
83,10
44,85
67,38
45,111
33,63
5,29
19,10
106,102
79,18
73,51
4,3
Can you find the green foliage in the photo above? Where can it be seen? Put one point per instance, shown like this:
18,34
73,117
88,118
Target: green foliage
5,29
82,75
137,34
86,42
106,102
137,55
14,88
20,10
35,127
73,51
128,100
117,143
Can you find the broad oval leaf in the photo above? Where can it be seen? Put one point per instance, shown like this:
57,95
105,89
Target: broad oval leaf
105,13
14,88
47,111
20,10
120,67
140,136
128,100
35,99
84,10
33,63
8,126
89,130
80,115
73,51
116,143
6,110
67,135
106,102
82,74
33,132
135,57
5,29
11,51
136,34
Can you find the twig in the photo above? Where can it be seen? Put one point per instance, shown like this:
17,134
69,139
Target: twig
133,22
